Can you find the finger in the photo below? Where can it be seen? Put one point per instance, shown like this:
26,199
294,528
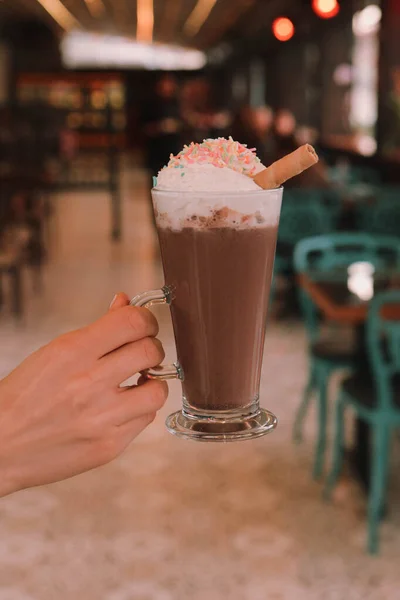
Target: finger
124,362
121,299
139,401
116,328
128,432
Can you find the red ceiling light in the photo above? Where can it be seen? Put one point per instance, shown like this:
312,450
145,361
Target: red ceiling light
283,29
326,9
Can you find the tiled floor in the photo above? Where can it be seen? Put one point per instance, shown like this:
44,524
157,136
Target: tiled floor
174,520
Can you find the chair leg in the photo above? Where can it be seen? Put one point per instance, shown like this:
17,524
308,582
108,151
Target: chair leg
338,448
302,411
272,292
319,459
379,474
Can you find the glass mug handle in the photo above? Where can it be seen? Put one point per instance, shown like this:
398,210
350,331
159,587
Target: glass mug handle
148,299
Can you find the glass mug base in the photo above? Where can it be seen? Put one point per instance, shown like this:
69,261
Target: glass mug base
217,428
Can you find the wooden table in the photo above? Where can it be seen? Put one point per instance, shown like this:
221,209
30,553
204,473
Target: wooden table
330,293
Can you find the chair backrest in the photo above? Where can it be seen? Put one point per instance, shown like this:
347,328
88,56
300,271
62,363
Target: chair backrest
383,340
325,252
390,193
304,214
364,174
383,217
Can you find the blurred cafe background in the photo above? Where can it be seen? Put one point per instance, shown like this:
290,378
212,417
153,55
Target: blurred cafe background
94,96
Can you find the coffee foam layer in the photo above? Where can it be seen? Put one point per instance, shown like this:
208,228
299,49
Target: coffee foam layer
202,210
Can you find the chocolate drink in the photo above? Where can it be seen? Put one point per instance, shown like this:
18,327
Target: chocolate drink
222,277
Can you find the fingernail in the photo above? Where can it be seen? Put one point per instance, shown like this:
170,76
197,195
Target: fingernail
113,301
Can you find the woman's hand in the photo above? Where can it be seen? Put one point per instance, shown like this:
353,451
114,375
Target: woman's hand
62,411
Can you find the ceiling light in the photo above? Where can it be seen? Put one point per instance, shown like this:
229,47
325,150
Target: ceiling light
88,50
326,9
60,14
145,20
198,16
283,29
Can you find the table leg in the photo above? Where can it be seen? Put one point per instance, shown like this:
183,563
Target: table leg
116,215
114,180
360,455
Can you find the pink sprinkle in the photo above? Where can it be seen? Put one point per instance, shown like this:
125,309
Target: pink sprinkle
219,153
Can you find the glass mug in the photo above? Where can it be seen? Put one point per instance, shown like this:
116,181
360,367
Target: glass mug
218,252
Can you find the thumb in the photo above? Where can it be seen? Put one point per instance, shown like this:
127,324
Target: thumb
121,299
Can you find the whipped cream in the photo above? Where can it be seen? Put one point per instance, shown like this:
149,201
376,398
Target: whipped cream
211,185
204,178
214,165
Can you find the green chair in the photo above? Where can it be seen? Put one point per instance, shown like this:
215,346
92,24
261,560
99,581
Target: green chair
329,354
377,402
383,217
304,213
364,174
348,174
